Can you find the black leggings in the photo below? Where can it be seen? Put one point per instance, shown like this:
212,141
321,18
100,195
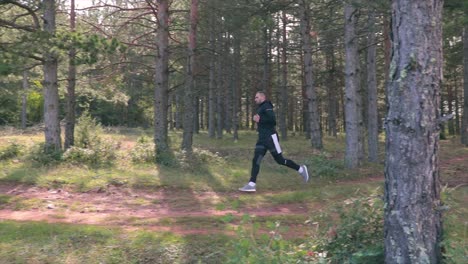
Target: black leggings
271,145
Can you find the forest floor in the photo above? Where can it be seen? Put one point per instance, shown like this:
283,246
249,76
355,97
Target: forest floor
179,211
43,208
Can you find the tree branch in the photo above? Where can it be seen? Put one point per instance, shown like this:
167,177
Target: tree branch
37,24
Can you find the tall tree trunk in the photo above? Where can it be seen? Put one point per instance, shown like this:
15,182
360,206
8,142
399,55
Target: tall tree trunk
284,80
236,85
161,79
464,127
332,92
53,140
361,106
178,108
197,111
220,90
170,111
312,101
291,113
451,127
212,84
387,46
413,226
227,84
372,114
305,100
351,85
24,99
457,107
442,127
187,139
71,100
266,80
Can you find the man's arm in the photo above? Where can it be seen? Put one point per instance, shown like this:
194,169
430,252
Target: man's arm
268,117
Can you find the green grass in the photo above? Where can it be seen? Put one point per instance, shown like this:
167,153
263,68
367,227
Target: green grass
37,242
218,166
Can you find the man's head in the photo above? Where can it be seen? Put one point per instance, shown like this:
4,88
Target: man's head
260,97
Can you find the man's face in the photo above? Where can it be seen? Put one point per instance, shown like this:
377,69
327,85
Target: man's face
259,98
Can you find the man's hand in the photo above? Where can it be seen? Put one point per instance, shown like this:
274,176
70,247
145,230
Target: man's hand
256,118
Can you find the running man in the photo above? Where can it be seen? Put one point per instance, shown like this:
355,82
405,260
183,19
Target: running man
268,140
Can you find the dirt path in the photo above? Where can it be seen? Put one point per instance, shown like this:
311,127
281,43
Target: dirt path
178,211
174,210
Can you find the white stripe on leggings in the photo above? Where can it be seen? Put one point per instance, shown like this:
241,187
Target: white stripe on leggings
276,141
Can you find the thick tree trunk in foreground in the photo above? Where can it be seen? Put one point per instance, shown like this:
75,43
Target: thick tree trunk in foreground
53,140
161,79
312,102
412,189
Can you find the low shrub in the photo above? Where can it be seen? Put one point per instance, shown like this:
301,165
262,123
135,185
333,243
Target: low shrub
88,132
324,167
248,247
357,236
90,146
144,151
100,154
11,151
43,155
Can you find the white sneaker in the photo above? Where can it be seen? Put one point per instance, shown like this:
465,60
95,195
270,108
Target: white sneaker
304,173
247,188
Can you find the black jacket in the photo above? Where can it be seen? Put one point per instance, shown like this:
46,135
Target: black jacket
267,123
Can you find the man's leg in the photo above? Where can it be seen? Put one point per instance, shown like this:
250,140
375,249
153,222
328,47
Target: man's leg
275,150
260,151
285,162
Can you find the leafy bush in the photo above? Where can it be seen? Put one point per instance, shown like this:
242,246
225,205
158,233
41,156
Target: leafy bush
87,132
11,151
144,150
98,154
269,248
43,155
90,147
358,236
325,167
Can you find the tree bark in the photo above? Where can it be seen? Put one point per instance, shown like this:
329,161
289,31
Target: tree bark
53,140
227,83
71,99
312,101
266,80
464,127
212,83
450,124
457,107
372,114
24,100
284,80
220,90
161,79
351,89
187,139
413,225
236,85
